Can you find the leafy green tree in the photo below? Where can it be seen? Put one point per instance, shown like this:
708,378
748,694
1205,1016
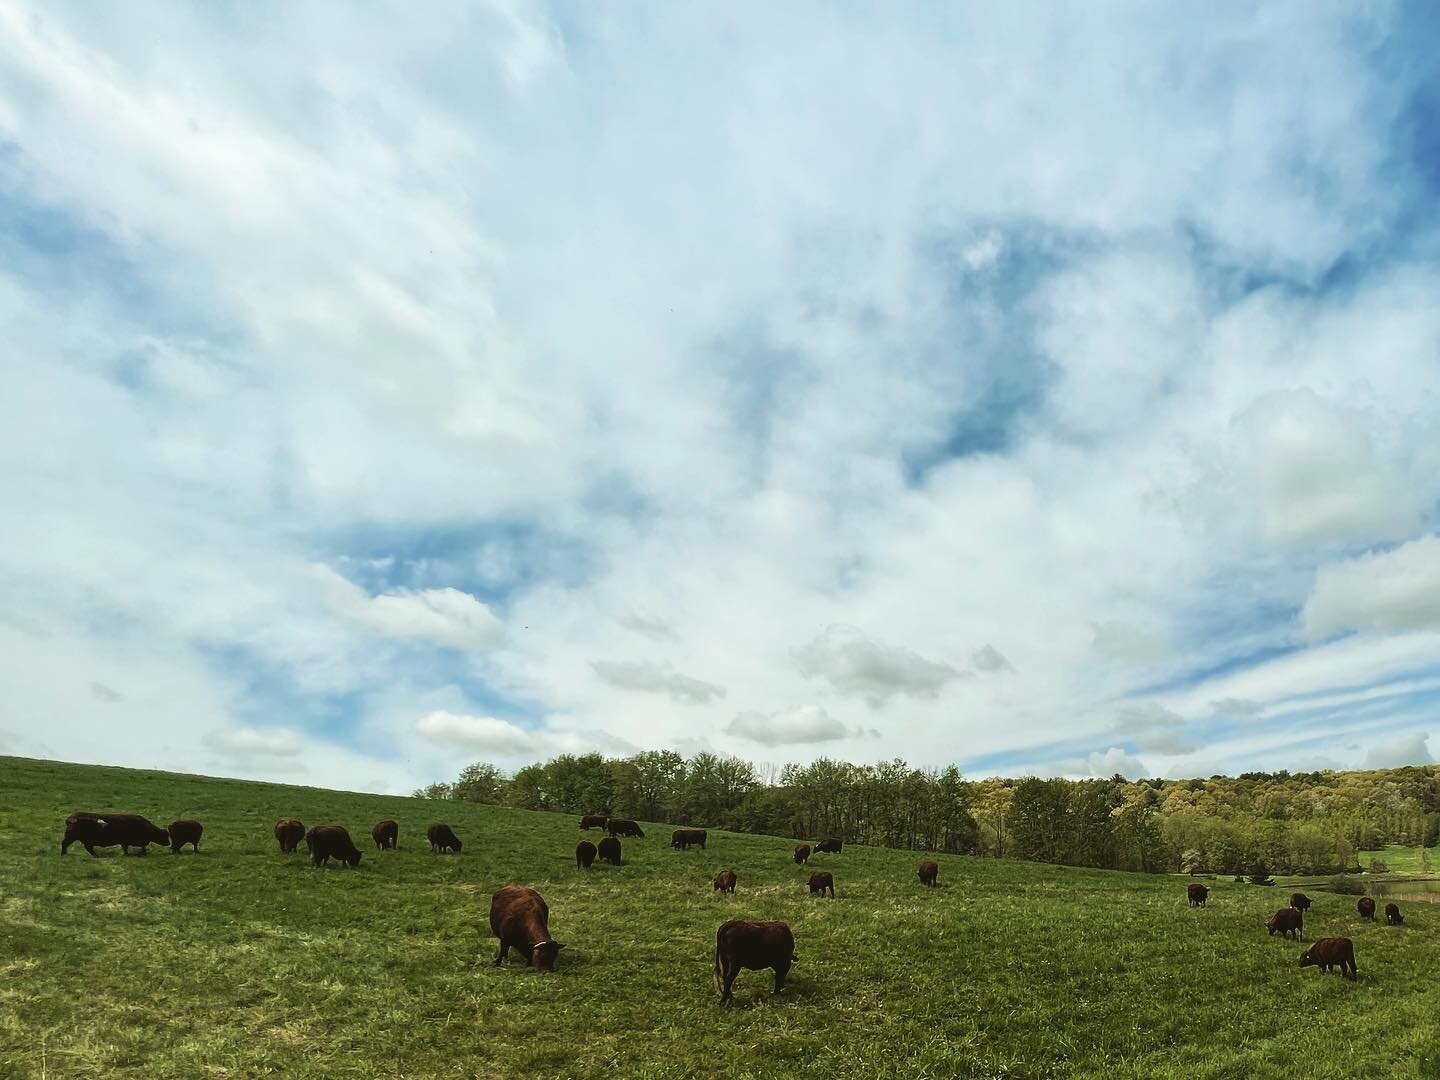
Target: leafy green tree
480,782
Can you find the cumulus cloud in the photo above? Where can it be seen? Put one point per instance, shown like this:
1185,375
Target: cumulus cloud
854,664
1411,749
1152,727
653,678
250,742
446,616
489,735
804,724
1101,763
1388,591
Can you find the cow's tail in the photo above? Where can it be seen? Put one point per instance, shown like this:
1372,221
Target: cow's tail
719,968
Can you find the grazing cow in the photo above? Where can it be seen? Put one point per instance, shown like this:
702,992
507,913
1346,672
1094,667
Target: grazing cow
753,945
1299,901
683,838
289,831
820,881
1366,907
725,881
185,831
828,844
521,920
1392,915
619,826
1285,922
610,850
1329,952
929,871
584,855
802,853
442,838
386,834
93,830
1197,894
593,821
327,840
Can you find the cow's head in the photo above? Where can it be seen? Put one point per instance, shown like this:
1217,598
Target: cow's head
1306,960
544,954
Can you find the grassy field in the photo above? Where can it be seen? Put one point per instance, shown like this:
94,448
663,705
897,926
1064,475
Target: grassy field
1402,859
240,962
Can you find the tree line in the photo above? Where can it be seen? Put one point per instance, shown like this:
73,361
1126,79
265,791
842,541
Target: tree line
1313,822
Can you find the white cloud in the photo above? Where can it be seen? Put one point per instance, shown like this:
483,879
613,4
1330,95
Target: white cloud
248,742
803,724
854,664
1151,727
1411,749
484,734
652,678
989,658
1098,763
1388,591
447,616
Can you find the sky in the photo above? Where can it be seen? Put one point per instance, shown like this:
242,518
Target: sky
1043,390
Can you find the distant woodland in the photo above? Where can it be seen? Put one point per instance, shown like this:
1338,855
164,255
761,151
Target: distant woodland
1314,822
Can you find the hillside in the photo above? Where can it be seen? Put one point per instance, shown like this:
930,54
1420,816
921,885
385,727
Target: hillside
241,961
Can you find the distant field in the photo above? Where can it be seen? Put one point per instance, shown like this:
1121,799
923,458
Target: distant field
1403,859
241,962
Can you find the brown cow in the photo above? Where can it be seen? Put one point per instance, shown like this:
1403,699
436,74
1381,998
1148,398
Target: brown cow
93,830
1329,952
325,841
1366,907
802,853
1392,915
929,871
185,831
386,834
593,821
1285,922
725,881
442,838
1299,901
610,850
584,855
829,844
619,826
681,839
289,831
521,920
1197,894
820,881
754,945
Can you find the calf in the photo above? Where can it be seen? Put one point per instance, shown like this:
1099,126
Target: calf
929,871
521,920
619,826
740,944
1329,952
93,830
185,831
725,881
610,851
802,853
442,838
1392,915
325,841
1366,907
1285,922
289,831
1299,901
593,821
829,844
386,834
1197,894
584,855
683,838
820,881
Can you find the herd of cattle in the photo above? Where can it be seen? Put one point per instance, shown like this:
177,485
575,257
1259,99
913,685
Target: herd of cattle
1326,953
519,917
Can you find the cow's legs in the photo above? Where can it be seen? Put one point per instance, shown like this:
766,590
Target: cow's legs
731,970
780,972
504,948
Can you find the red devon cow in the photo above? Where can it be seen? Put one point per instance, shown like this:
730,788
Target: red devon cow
802,853
1286,922
584,855
442,838
185,831
929,871
593,821
1197,894
619,826
1366,907
681,839
725,881
289,831
1329,953
754,946
520,918
326,841
92,830
386,834
820,881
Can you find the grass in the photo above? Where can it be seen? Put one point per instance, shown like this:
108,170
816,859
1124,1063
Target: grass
241,962
1403,859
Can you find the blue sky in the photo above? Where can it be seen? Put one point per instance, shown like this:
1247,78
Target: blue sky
1031,390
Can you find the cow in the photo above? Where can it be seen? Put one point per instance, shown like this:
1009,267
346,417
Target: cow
820,881
619,826
929,871
593,821
325,841
289,831
386,834
185,831
1299,901
442,838
610,850
1366,907
1392,915
584,855
93,830
681,839
725,881
1329,952
520,919
802,853
828,844
1285,922
1197,894
741,944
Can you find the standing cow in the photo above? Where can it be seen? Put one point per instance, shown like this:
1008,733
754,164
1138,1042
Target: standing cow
289,832
1197,894
325,841
1366,907
820,881
593,821
681,839
185,831
1329,952
802,854
386,834
1285,922
520,918
1299,901
755,946
619,826
610,851
442,838
92,830
1392,915
584,855
725,881
929,871
829,844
